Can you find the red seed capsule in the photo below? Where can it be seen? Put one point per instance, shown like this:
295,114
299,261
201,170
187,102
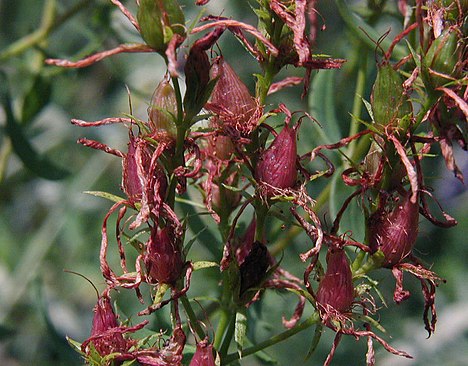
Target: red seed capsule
105,319
203,355
277,164
163,257
231,100
336,288
394,232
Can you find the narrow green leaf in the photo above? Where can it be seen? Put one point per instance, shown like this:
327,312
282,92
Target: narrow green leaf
315,341
31,159
204,264
322,107
106,195
36,99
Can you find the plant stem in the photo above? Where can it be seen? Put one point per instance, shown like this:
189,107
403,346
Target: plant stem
192,317
223,350
313,319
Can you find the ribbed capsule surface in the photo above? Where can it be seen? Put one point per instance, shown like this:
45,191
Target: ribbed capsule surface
162,110
203,356
394,232
336,287
231,99
277,164
163,257
105,319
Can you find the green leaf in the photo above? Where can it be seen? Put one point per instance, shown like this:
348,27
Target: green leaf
36,99
240,330
204,264
322,106
315,341
75,345
106,195
31,159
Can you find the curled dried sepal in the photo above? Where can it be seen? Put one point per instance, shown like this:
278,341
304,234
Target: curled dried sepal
336,291
162,110
276,166
231,100
163,257
203,355
394,230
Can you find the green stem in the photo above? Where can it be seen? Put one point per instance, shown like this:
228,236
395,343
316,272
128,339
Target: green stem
192,317
178,158
224,317
223,350
313,319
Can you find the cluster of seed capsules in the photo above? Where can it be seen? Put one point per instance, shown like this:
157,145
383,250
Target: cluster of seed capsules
232,160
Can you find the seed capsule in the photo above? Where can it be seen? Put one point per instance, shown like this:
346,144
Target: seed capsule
277,164
336,287
162,111
231,100
203,355
105,319
163,257
389,100
394,232
442,58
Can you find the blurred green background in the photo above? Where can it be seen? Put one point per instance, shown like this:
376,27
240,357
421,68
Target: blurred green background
47,225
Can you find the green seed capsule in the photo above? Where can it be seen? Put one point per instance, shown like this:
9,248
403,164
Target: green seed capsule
442,58
159,20
162,111
390,104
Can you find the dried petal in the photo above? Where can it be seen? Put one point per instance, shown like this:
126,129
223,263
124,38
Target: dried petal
277,165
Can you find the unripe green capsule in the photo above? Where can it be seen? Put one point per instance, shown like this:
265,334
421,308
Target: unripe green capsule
390,104
159,20
162,110
443,57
